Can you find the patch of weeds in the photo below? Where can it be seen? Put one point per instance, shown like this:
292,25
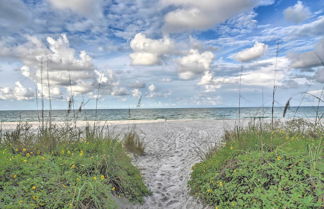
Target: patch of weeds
133,143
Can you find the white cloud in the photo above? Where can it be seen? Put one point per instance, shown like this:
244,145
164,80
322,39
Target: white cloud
240,24
136,93
149,51
194,64
251,53
144,58
54,92
309,59
101,77
151,87
19,92
119,91
259,73
59,66
315,28
87,8
264,75
207,78
203,14
297,13
152,91
209,82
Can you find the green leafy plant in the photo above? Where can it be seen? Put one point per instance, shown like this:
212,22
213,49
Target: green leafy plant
84,173
264,168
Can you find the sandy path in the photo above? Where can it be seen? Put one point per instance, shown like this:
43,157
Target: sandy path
170,154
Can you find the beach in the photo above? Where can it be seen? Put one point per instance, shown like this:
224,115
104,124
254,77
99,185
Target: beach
171,149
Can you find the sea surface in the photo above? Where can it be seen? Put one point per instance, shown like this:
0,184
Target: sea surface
167,113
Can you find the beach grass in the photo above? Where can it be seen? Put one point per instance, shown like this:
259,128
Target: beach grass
264,167
66,168
133,143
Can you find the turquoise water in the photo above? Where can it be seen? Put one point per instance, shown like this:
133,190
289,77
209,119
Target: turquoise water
154,114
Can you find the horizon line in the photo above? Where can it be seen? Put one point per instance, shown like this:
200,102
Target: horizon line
151,108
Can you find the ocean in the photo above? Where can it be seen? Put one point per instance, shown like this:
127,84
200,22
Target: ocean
165,113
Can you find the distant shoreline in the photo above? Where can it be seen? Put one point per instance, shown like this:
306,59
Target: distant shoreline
157,108
81,123
116,115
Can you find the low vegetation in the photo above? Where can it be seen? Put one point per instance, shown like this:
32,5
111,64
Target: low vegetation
264,167
66,168
133,143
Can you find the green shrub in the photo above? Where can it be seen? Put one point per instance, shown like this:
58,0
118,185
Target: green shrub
263,180
263,168
89,174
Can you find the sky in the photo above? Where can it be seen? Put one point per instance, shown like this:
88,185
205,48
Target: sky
165,53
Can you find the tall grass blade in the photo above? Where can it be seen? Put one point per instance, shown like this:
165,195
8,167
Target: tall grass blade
286,107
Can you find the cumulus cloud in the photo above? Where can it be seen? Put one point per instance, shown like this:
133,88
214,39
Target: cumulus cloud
149,51
251,53
144,58
19,92
194,64
87,8
297,13
309,59
203,14
209,82
60,67
136,93
57,65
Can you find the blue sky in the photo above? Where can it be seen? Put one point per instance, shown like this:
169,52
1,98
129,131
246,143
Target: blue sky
172,53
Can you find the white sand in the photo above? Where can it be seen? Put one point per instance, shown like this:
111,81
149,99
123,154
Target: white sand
12,125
